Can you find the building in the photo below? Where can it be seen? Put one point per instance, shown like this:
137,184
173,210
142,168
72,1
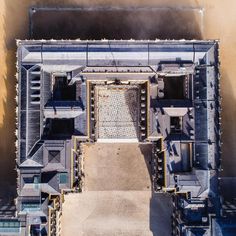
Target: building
161,92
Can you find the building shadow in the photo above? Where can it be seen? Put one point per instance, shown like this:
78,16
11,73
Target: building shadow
7,142
115,23
160,206
227,181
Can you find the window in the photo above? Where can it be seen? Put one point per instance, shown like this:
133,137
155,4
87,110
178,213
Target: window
30,206
63,178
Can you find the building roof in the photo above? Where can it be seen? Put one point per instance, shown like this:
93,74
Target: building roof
176,100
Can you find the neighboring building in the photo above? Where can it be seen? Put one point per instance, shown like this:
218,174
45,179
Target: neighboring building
163,92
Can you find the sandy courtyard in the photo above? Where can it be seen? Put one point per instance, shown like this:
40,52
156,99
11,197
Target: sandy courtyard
116,213
117,197
112,166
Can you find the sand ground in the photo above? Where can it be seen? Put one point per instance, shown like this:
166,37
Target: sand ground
113,213
117,167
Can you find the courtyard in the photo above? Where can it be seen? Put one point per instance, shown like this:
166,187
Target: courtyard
117,112
117,196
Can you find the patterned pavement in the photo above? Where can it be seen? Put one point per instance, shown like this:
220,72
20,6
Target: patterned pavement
117,111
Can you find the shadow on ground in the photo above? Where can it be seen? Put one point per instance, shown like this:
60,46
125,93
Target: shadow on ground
7,144
123,23
160,207
228,178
